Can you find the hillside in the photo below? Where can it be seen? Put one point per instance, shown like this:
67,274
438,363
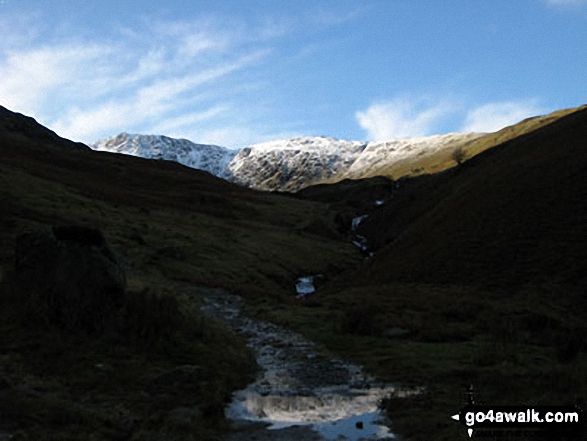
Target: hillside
511,215
296,163
477,278
180,233
165,202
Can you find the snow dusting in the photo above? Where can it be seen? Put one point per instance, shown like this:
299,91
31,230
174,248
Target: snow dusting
288,164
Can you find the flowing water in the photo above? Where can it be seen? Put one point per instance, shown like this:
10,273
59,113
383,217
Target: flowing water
300,384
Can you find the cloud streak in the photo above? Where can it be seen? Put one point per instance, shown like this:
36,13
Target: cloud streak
492,117
402,117
415,117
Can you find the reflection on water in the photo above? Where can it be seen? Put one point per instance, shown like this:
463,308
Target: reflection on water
333,412
302,384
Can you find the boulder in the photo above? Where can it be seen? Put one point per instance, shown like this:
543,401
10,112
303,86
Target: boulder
71,276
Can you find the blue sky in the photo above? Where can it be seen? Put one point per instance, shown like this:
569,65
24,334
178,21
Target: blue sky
236,72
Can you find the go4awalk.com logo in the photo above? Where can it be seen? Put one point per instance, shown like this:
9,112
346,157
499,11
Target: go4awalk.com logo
562,422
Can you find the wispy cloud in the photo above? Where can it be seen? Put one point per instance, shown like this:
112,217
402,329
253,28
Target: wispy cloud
204,77
495,116
402,117
169,75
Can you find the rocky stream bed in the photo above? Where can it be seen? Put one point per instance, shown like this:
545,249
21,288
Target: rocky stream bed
302,391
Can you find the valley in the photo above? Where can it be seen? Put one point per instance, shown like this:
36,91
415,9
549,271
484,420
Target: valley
476,277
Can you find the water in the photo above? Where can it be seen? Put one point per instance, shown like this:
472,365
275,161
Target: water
305,286
302,384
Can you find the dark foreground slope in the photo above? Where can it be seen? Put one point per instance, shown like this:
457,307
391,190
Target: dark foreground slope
154,369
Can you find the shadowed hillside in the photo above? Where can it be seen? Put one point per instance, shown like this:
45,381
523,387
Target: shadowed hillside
478,277
514,214
146,365
167,205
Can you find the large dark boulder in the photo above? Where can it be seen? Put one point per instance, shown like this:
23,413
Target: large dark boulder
70,276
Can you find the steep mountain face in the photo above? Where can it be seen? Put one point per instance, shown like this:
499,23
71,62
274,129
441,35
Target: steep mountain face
291,164
210,158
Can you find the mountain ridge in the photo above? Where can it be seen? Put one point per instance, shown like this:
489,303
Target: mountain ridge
293,164
288,164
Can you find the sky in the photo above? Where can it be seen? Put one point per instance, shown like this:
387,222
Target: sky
235,72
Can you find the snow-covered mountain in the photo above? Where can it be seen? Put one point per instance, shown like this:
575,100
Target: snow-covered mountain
211,158
286,165
294,163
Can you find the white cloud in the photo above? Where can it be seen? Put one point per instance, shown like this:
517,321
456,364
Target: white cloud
402,117
29,77
495,116
200,76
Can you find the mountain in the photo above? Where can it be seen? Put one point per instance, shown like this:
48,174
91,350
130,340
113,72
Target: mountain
290,164
296,163
159,371
210,158
514,214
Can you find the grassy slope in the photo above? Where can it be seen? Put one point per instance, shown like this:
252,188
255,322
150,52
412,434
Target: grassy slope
442,160
171,224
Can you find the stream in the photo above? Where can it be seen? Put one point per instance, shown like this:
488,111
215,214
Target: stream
302,392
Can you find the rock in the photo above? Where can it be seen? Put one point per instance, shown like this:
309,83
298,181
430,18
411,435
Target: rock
71,275
359,424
